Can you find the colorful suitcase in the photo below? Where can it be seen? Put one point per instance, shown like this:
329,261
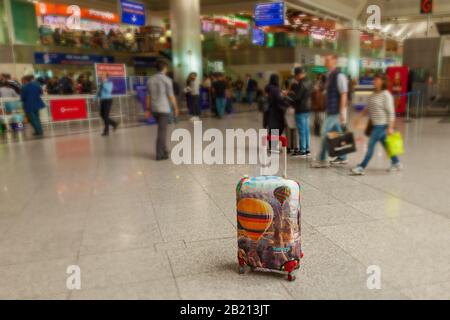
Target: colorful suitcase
269,223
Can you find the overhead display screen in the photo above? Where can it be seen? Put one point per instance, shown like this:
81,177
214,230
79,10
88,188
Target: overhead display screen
258,38
270,14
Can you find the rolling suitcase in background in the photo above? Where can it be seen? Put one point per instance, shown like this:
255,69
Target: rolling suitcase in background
268,222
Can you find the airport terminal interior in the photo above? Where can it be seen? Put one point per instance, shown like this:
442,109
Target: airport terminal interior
89,212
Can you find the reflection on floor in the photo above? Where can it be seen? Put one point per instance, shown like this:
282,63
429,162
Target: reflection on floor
139,229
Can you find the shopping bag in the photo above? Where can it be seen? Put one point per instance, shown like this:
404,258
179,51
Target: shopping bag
395,145
340,144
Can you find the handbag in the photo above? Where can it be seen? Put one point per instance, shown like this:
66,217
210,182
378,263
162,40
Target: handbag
369,128
340,144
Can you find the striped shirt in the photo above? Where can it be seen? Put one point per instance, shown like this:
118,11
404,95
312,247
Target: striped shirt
381,108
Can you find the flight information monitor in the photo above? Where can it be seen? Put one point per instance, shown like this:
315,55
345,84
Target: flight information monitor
270,14
258,38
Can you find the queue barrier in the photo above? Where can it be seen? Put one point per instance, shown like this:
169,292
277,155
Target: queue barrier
68,109
415,104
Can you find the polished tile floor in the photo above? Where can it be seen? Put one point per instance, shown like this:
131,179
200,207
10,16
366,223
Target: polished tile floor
139,229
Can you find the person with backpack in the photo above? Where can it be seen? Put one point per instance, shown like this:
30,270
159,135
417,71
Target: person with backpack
381,111
300,95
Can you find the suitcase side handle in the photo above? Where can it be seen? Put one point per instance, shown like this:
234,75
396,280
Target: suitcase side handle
284,144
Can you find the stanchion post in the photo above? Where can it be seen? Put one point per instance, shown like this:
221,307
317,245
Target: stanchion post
422,105
120,110
88,105
409,96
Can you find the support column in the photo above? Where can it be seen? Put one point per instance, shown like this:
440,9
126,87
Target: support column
349,41
11,37
186,42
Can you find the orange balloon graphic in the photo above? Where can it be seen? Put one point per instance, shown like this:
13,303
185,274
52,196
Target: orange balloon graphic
254,216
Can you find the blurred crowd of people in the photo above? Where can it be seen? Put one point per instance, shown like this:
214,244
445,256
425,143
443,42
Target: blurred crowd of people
64,85
118,40
67,84
219,93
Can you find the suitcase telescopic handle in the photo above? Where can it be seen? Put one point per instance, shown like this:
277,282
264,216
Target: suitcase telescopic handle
284,144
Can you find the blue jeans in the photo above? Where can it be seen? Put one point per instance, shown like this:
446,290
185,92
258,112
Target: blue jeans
221,103
332,123
35,121
193,103
302,120
238,96
379,134
251,97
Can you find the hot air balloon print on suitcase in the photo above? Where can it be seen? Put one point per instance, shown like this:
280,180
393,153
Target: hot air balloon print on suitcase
269,224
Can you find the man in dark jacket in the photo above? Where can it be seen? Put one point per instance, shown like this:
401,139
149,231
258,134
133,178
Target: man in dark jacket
252,88
32,103
300,95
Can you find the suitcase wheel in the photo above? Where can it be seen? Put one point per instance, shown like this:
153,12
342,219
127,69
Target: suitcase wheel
241,270
291,277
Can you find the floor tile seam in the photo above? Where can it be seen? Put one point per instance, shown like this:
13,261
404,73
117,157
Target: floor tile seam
172,271
215,203
123,284
86,219
151,202
404,200
354,257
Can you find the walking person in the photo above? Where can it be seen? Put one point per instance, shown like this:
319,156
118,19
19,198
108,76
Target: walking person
300,94
207,85
160,100
238,86
105,95
193,96
31,96
176,92
277,106
381,111
220,93
252,88
336,108
318,104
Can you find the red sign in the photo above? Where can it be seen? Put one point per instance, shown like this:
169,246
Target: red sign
44,9
426,6
112,69
398,85
68,109
117,73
